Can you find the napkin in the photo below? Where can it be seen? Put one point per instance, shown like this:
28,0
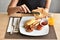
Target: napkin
12,21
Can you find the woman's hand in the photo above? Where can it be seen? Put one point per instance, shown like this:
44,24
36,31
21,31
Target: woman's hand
42,11
13,8
24,8
46,9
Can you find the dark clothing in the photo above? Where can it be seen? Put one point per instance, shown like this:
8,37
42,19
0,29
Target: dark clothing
32,4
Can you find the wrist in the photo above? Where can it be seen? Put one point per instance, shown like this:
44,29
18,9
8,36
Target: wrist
46,9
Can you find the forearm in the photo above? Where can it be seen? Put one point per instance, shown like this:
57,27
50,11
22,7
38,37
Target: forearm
48,2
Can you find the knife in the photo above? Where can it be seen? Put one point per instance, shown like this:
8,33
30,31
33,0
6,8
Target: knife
30,13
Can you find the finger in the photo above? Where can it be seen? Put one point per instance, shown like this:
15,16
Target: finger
21,9
27,8
24,9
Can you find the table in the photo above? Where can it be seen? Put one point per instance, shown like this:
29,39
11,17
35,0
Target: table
4,21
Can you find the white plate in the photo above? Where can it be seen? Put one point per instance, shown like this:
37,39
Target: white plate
44,31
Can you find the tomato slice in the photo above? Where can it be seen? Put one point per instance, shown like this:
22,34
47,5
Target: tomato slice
39,27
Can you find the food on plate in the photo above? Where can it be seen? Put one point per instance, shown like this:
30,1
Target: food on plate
30,25
33,24
39,27
44,23
29,22
29,29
